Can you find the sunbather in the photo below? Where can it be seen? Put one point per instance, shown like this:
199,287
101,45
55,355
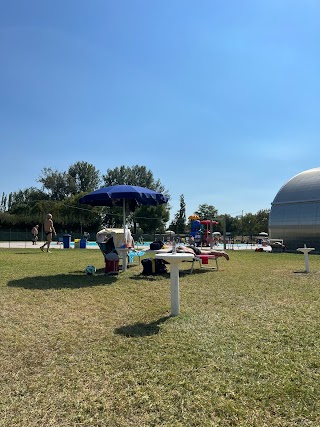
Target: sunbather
202,251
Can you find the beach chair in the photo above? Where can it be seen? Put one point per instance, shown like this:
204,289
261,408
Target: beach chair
134,253
110,256
116,241
203,261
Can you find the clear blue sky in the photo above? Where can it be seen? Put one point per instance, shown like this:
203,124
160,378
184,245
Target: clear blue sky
219,99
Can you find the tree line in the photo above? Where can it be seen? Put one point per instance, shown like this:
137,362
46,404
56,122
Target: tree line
59,194
245,226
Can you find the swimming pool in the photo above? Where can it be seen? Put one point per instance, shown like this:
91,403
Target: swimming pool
145,245
94,245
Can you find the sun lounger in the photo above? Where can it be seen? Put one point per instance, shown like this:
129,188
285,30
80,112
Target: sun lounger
204,262
111,258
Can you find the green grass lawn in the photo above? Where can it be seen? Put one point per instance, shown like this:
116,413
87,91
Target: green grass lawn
78,350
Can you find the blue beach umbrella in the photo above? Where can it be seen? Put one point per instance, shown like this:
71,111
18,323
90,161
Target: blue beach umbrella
121,195
118,193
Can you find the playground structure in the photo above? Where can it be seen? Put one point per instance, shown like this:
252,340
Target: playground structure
201,231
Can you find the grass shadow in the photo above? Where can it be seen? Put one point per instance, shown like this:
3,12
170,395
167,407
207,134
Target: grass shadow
196,271
141,329
153,277
63,281
28,253
182,273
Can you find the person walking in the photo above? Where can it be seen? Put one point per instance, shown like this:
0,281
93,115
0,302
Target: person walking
49,230
35,232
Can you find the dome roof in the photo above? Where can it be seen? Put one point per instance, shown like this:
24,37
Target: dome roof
304,187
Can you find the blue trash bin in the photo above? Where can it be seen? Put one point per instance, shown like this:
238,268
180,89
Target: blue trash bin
66,241
83,243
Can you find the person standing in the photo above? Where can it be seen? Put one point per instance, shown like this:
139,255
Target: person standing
49,230
35,232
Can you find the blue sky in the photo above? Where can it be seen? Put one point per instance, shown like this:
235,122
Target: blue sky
220,100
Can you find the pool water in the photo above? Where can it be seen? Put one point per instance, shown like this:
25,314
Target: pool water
145,245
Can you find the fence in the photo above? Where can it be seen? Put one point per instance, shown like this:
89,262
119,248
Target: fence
26,236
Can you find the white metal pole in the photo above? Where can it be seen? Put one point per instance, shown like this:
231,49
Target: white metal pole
225,232
306,260
174,286
124,216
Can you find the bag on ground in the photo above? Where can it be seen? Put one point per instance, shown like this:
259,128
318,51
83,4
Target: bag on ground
153,266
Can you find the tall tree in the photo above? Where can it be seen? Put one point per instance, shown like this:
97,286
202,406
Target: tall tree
80,177
206,211
25,207
232,224
178,225
84,177
23,201
9,200
248,225
135,175
3,205
262,220
57,184
150,218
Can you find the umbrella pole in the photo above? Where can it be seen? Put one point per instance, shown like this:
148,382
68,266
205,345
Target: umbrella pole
124,251
124,216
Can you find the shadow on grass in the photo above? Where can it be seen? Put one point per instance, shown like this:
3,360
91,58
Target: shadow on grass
63,281
182,273
141,329
28,253
151,277
196,272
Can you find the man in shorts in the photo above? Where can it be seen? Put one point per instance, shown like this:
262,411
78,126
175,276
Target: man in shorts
49,230
34,232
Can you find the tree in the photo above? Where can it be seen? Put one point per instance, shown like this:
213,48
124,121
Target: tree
135,175
232,224
178,225
73,216
81,177
58,184
3,205
248,225
206,211
24,201
150,218
253,224
84,177
9,200
262,220
21,211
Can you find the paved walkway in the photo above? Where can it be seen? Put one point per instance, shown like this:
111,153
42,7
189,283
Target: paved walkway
57,245
29,245
54,245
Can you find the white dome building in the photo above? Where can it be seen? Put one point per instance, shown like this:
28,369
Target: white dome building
295,212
